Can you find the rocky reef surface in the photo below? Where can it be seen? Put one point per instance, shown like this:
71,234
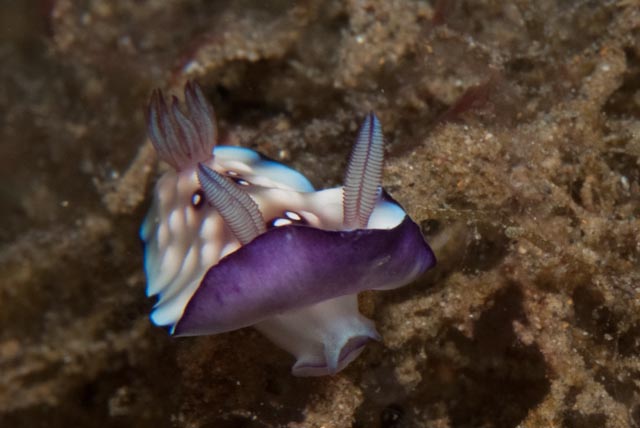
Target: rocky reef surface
514,139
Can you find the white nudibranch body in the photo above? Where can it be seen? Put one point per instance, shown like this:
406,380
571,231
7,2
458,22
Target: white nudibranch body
234,239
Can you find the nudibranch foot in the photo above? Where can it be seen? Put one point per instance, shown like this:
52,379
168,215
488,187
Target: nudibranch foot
234,239
324,337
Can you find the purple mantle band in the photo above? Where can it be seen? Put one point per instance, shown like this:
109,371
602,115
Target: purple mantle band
291,267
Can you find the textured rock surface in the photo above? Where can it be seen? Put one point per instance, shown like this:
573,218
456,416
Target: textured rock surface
514,138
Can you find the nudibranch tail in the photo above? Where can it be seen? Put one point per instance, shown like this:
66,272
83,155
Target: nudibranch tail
182,139
236,207
364,174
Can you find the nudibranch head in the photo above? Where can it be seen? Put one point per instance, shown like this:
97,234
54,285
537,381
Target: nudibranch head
234,239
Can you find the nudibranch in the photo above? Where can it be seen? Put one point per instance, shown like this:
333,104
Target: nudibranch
234,239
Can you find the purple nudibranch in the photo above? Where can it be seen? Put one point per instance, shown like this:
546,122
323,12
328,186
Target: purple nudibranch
234,239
